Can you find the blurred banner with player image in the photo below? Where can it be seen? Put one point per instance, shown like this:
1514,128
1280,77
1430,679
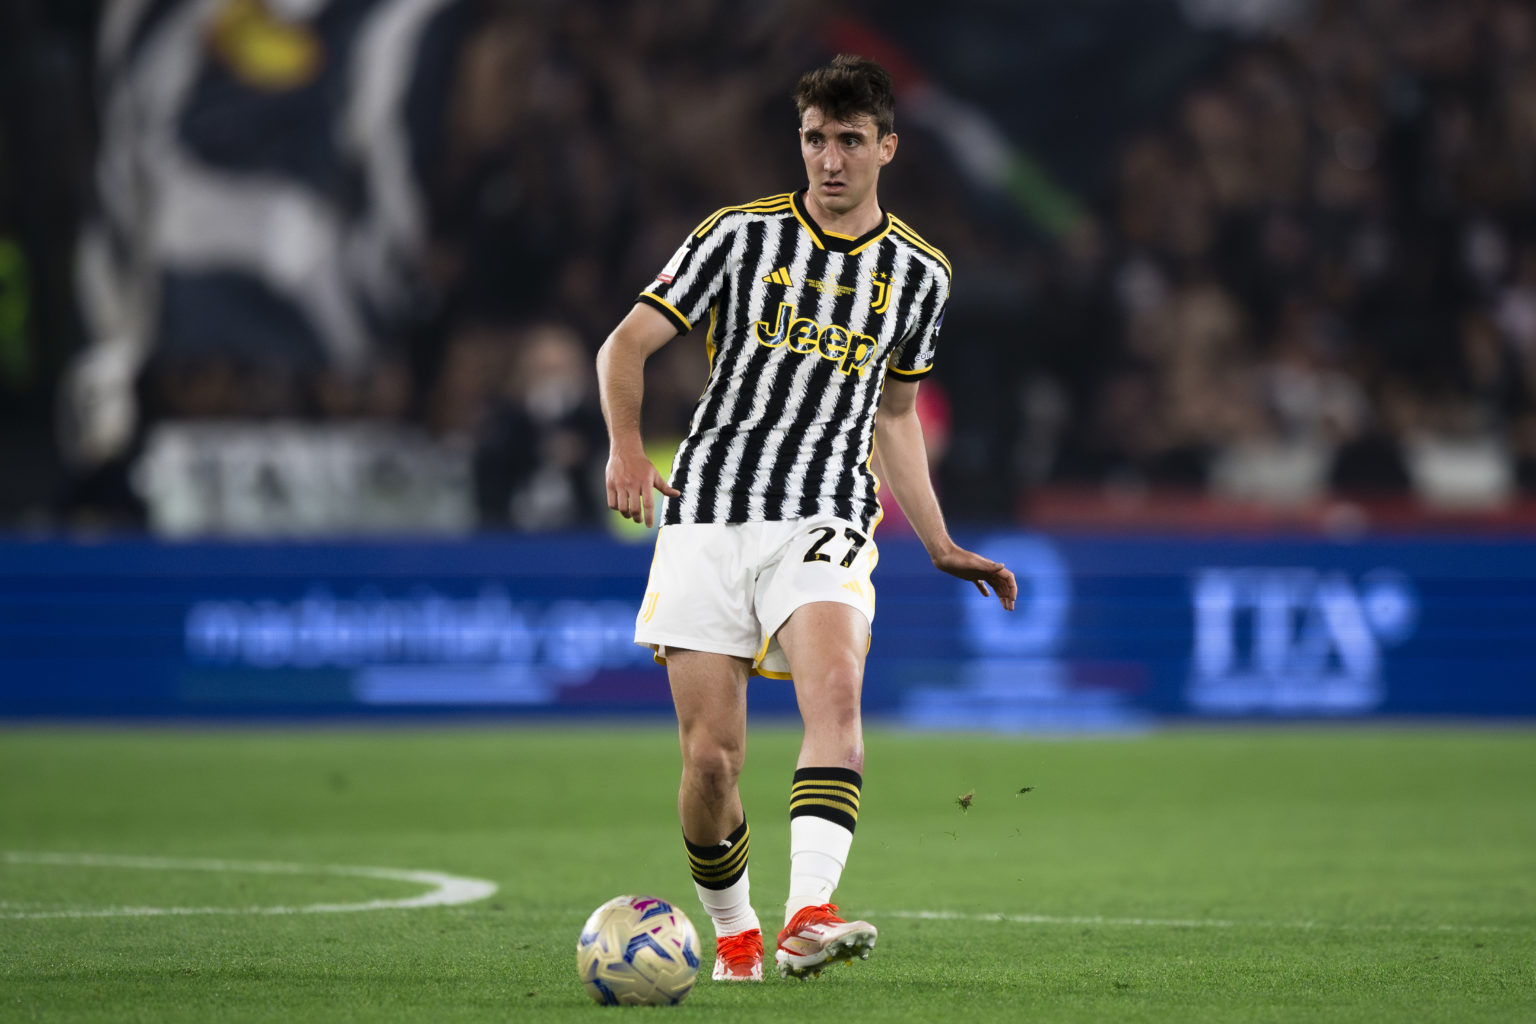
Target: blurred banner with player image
256,248
1111,633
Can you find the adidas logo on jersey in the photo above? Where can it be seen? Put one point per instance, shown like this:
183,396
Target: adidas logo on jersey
780,276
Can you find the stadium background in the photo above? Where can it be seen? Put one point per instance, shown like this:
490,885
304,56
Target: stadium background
298,302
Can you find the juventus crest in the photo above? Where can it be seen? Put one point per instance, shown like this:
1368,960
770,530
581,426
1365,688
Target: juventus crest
882,297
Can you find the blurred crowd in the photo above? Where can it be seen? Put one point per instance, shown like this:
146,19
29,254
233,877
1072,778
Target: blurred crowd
1304,269
1315,275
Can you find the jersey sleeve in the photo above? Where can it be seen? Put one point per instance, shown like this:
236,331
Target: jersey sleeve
692,279
914,359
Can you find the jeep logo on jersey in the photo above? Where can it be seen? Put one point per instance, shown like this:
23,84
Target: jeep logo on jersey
851,352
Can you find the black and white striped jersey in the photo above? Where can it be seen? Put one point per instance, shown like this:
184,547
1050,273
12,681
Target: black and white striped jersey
803,326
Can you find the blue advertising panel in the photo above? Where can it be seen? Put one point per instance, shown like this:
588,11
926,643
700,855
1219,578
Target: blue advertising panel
1109,633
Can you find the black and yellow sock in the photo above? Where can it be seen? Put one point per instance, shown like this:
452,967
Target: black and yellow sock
722,865
830,793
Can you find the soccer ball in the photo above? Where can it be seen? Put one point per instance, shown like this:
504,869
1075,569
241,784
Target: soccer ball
638,951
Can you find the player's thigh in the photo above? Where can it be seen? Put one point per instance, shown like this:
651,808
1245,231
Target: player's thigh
709,692
825,643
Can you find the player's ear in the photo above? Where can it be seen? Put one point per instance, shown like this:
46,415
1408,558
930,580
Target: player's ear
887,148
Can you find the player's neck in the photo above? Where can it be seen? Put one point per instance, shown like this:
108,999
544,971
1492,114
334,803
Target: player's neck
854,223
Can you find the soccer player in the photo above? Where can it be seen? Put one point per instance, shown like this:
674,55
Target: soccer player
819,309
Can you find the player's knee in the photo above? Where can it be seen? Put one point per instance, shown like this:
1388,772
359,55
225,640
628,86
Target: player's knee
841,717
712,767
835,691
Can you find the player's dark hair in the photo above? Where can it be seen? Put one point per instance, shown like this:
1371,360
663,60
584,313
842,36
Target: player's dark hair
848,89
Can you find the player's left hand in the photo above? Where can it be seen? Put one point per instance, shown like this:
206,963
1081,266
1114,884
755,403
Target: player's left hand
968,565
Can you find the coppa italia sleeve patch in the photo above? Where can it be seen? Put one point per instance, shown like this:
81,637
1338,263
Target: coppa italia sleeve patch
670,270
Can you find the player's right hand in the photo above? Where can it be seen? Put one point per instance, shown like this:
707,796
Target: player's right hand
631,477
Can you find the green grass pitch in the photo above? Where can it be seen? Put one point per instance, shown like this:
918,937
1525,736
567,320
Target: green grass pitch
1246,875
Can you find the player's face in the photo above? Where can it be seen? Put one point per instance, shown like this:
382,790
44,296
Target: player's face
843,160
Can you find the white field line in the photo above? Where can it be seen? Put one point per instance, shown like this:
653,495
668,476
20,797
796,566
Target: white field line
444,890
1174,922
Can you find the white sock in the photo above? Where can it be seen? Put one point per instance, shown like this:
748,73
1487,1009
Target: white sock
818,850
730,908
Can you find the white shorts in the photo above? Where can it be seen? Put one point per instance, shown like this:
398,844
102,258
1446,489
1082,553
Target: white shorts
726,588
